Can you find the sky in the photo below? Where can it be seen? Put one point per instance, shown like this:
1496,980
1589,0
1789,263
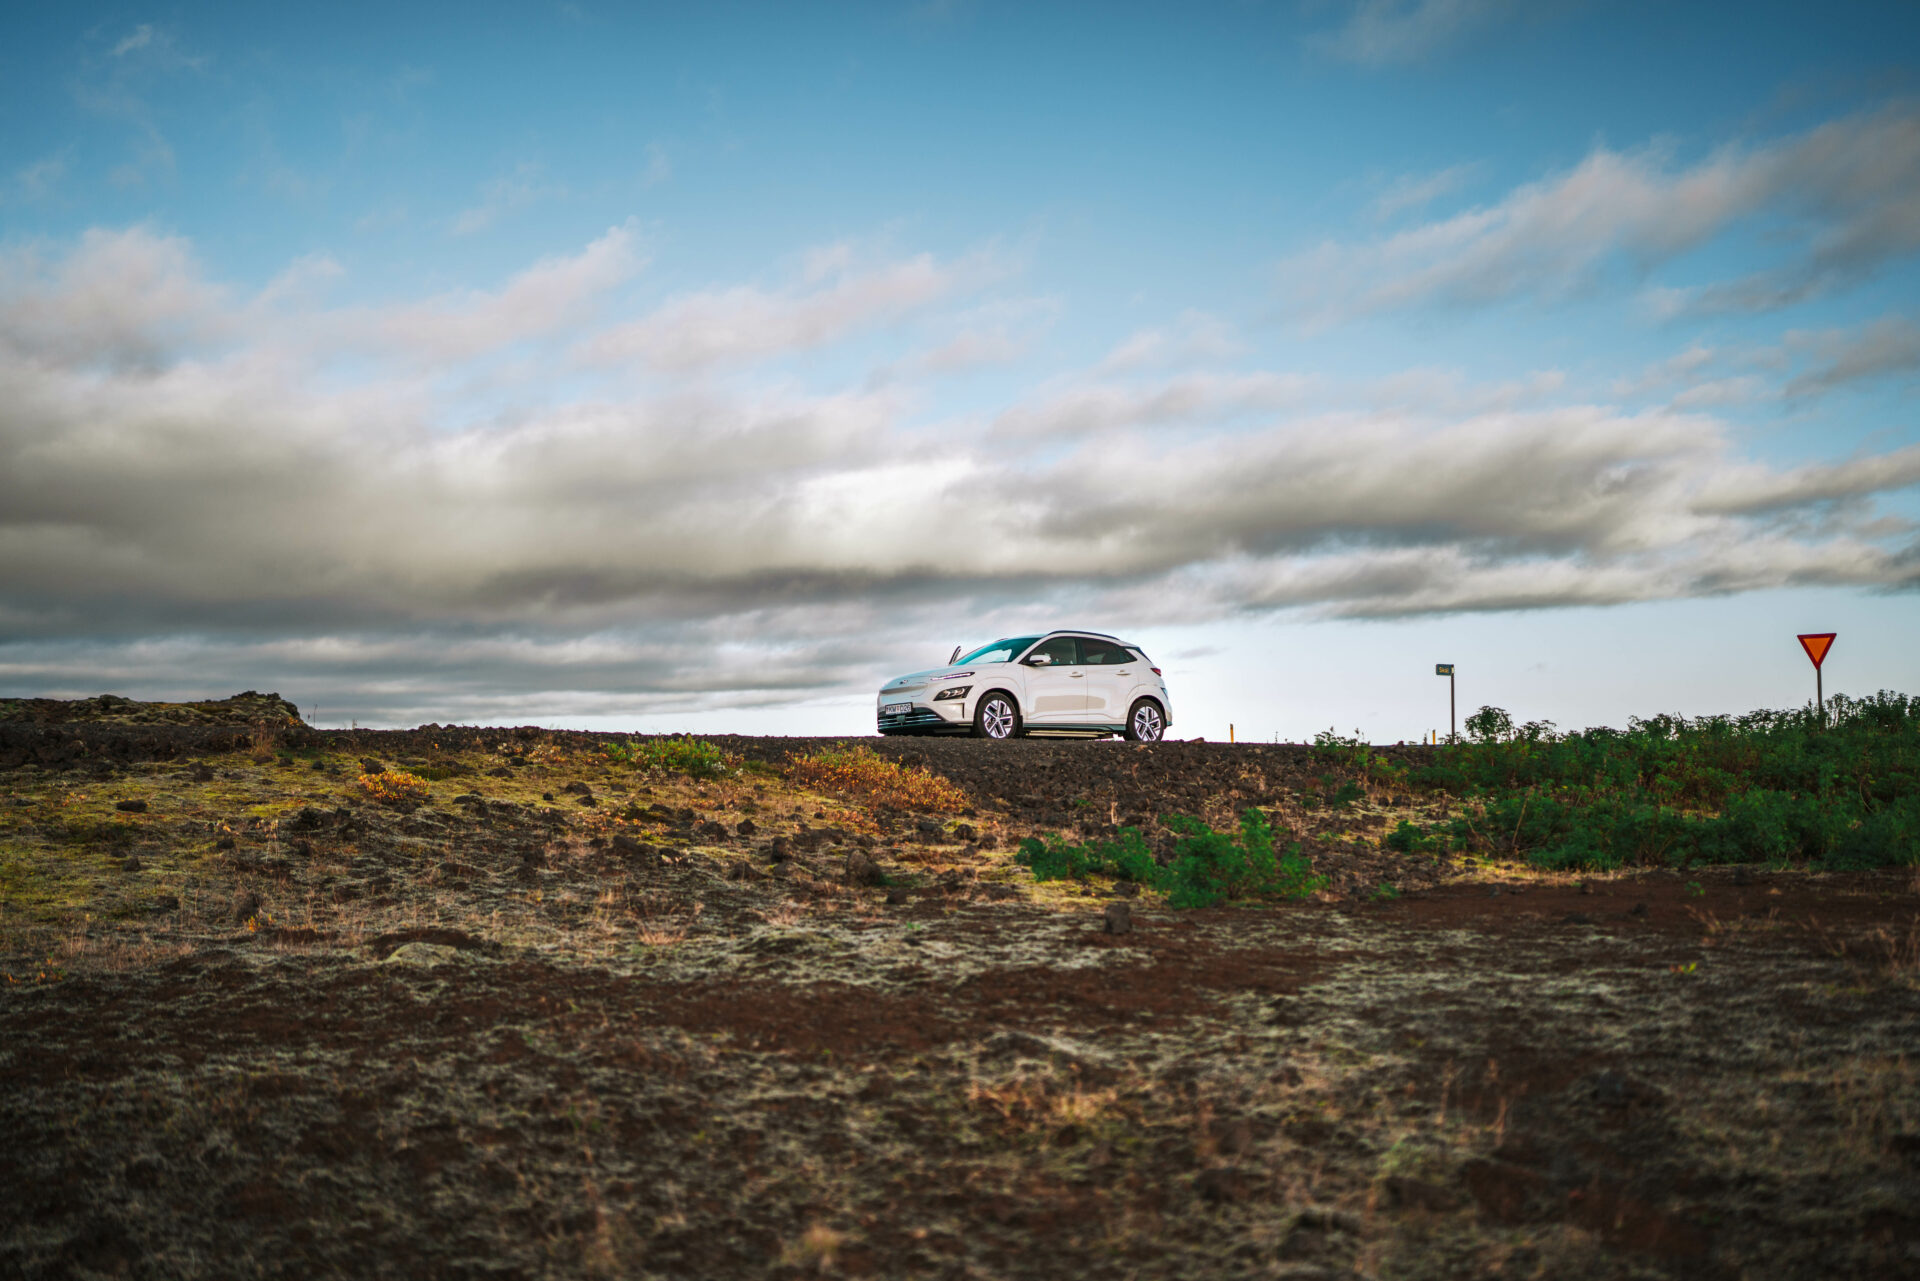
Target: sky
701,367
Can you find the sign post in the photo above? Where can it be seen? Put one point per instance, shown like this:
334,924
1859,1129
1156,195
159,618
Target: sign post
1817,644
1446,670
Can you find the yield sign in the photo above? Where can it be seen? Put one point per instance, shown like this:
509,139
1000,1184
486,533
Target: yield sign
1817,644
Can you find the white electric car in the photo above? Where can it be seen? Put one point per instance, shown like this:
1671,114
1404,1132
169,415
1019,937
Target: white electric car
1063,682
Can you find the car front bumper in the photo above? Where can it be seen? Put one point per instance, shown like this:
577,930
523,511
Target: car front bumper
948,716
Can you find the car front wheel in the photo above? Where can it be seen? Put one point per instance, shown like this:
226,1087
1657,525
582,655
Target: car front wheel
1145,723
996,717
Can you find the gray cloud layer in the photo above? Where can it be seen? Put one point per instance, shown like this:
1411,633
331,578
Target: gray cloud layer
186,477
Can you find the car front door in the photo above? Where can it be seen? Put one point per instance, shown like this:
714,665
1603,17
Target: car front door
1057,691
1113,673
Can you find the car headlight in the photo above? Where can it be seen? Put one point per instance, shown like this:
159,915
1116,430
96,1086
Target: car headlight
958,691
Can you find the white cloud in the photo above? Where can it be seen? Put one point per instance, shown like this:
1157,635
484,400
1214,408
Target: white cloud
1382,33
536,302
118,296
1195,338
745,323
139,38
506,195
659,166
35,182
1188,400
1849,190
1417,191
1885,348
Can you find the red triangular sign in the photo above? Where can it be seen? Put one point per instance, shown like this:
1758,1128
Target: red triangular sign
1817,644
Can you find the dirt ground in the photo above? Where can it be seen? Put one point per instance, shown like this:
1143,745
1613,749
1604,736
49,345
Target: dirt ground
565,1018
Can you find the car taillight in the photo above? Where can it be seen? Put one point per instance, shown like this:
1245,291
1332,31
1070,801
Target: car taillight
1155,671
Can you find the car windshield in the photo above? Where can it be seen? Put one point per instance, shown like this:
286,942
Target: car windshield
1001,651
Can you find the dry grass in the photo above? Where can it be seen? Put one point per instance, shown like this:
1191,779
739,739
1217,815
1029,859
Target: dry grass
858,774
391,787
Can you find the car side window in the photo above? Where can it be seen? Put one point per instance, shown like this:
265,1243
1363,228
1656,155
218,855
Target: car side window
1065,651
1105,653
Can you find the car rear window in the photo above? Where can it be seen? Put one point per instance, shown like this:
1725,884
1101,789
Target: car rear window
1106,652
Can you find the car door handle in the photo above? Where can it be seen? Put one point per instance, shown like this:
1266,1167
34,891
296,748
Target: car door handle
1125,671
1076,675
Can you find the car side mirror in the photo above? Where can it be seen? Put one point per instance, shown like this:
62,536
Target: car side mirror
1038,660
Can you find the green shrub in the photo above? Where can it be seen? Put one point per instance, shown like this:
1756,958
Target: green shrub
1770,786
1347,793
1126,859
694,757
1409,838
1207,867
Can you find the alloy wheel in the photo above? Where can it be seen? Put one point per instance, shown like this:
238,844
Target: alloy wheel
997,718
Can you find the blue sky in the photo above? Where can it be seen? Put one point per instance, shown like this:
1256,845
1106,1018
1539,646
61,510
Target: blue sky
660,369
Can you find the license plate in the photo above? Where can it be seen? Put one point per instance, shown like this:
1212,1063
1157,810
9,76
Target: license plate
896,709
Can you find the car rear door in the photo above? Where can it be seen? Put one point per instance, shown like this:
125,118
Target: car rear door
1113,673
1057,693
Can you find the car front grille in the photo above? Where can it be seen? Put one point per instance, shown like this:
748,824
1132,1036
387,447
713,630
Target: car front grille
918,718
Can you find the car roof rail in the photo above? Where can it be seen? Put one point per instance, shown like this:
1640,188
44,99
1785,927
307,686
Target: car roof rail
1077,631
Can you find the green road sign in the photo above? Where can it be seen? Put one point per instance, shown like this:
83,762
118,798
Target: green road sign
1443,669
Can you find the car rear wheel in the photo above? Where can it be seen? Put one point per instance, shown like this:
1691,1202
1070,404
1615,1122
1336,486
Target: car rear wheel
1145,722
996,717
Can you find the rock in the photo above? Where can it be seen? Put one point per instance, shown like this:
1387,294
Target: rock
167,903
1234,1135
1327,1218
862,870
898,895
424,955
500,771
1127,889
864,841
964,832
1508,1193
714,831
1417,1194
1639,909
131,863
988,840
307,819
577,789
1119,919
624,844
780,849
370,766
747,827
1221,1185
589,800
131,807
225,842
246,904
928,827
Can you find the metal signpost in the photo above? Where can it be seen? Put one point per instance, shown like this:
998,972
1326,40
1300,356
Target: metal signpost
1817,644
1446,670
